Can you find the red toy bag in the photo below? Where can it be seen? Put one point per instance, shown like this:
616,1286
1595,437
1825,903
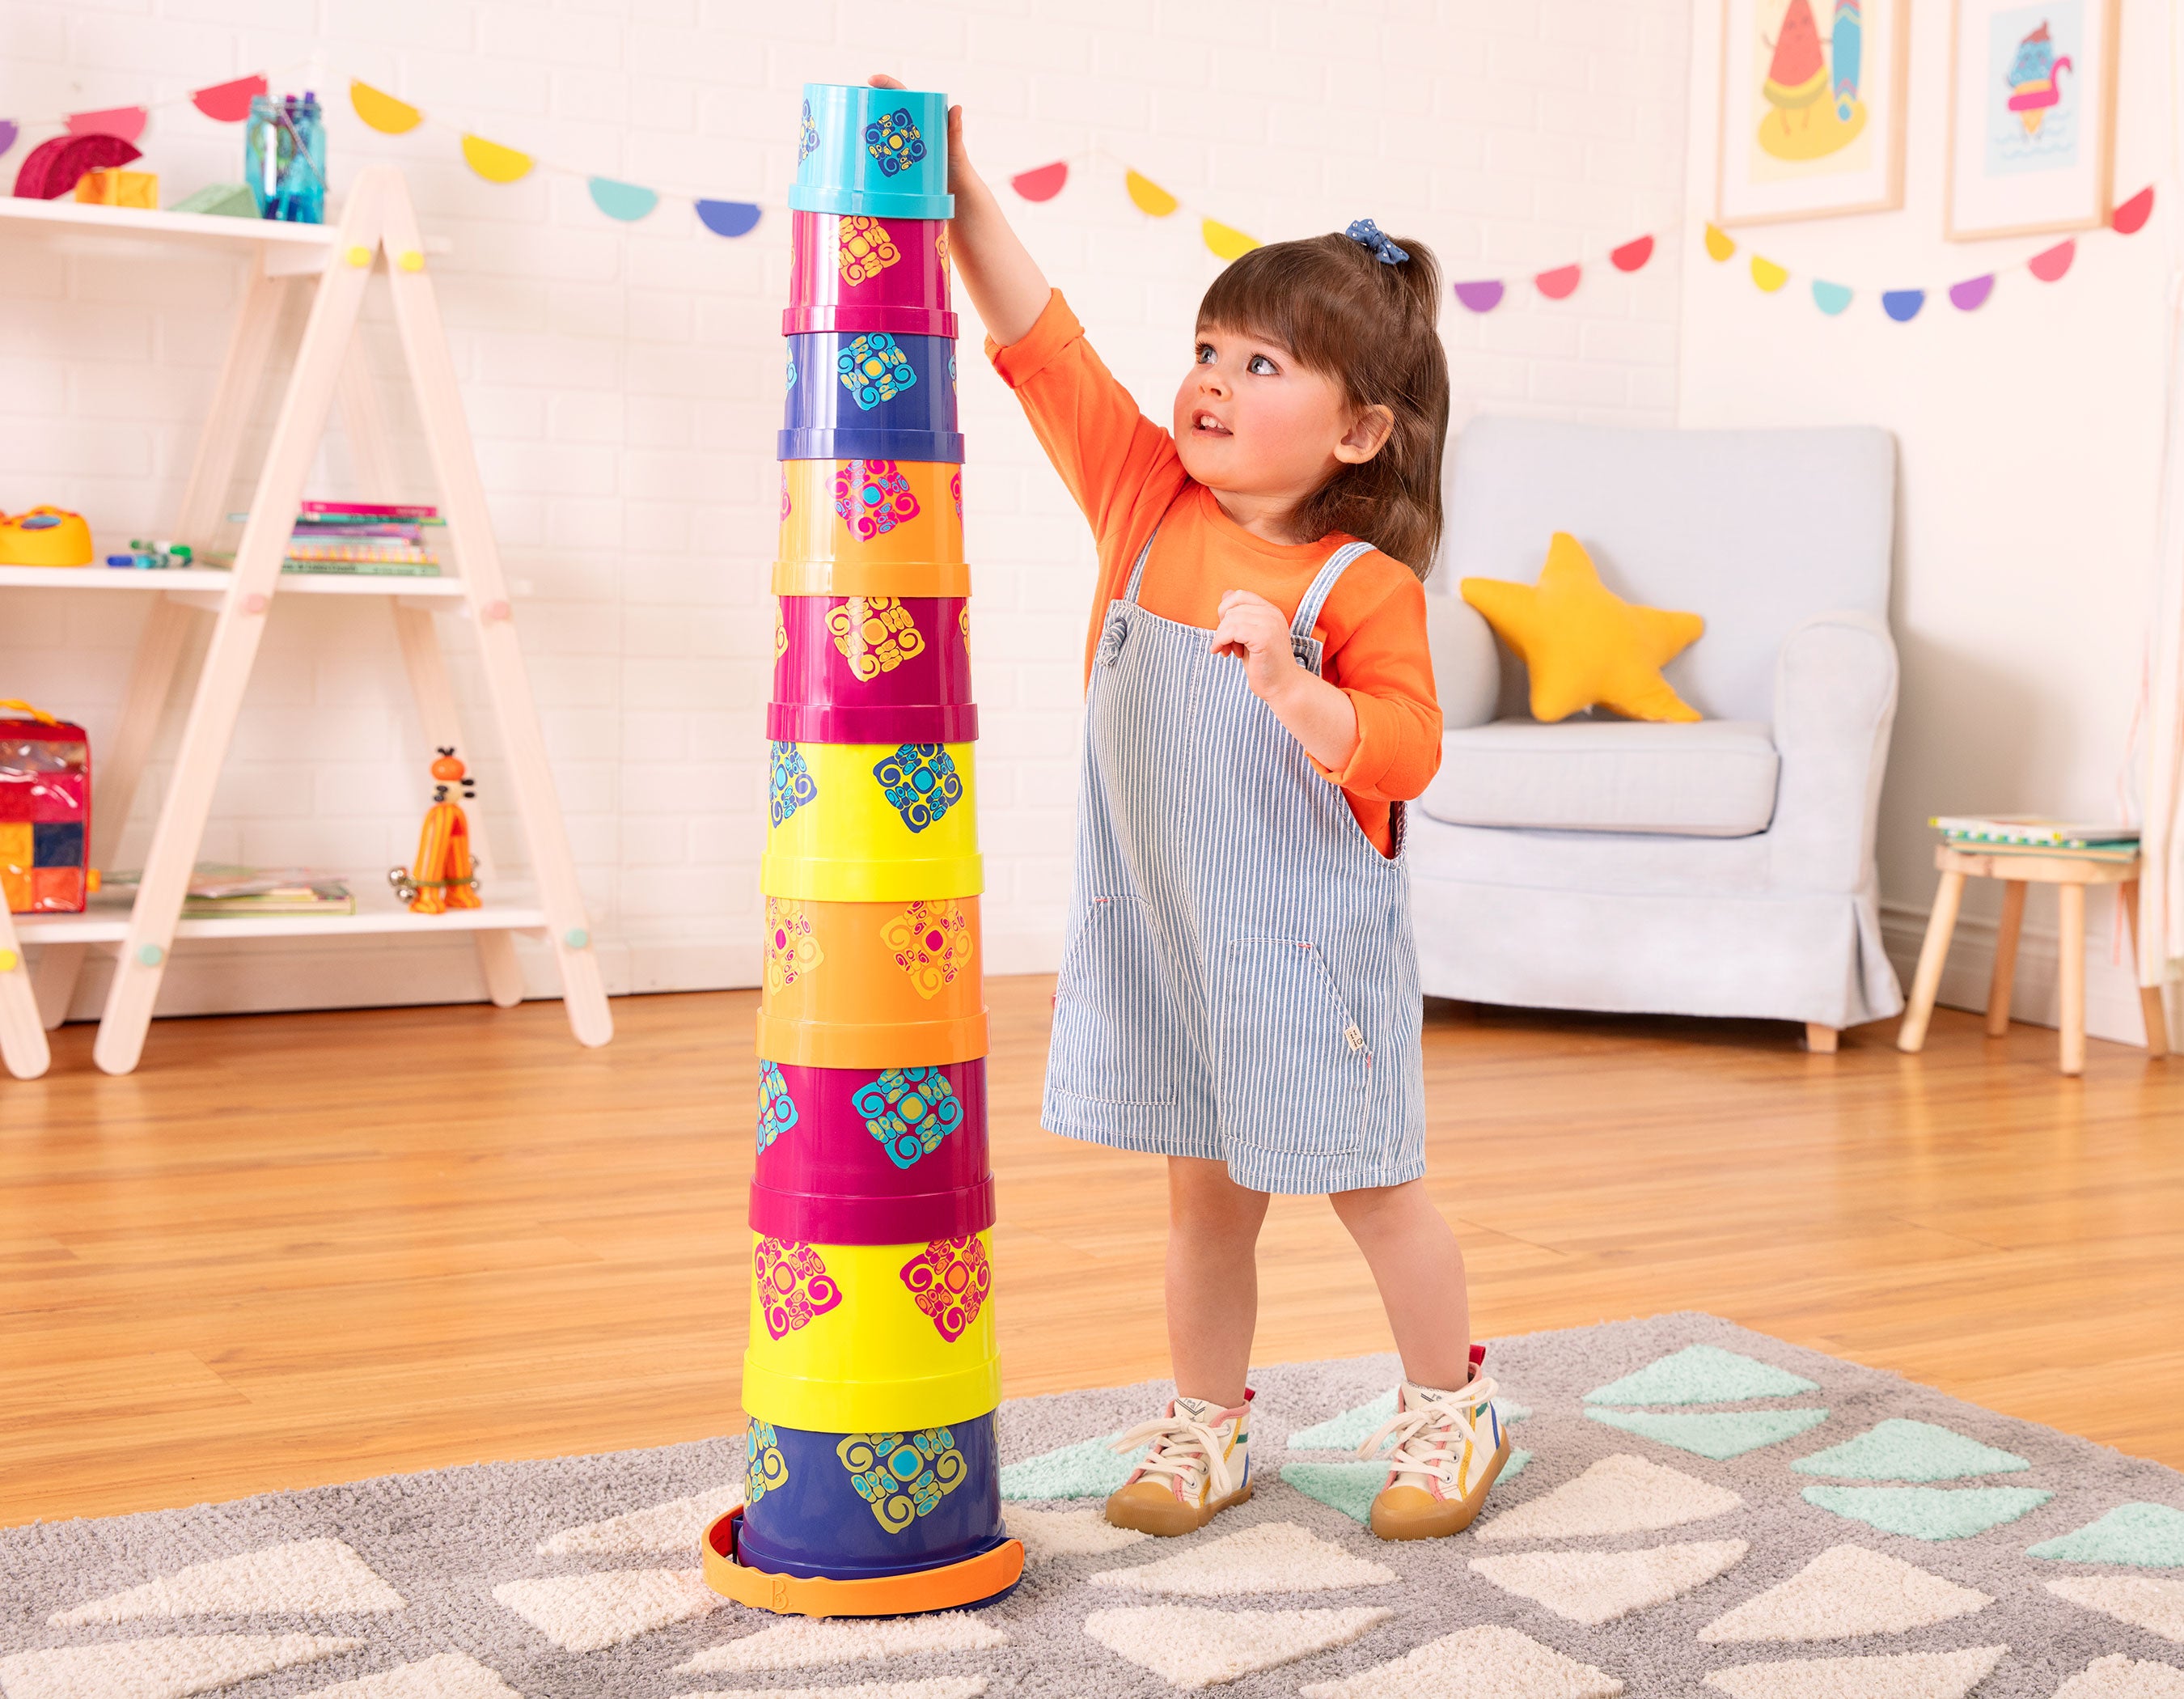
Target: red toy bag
45,812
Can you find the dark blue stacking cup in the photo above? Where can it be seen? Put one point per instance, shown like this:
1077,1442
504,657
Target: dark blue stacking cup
870,395
852,1506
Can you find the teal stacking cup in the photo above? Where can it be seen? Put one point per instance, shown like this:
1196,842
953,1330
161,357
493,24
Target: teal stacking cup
877,153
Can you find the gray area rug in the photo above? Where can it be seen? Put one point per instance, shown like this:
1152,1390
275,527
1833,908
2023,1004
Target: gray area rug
1701,1510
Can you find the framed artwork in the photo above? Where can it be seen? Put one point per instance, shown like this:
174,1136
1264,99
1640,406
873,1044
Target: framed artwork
1812,109
2031,116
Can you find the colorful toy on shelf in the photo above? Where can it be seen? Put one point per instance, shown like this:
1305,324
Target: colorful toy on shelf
111,186
872,1377
45,812
45,537
443,877
53,168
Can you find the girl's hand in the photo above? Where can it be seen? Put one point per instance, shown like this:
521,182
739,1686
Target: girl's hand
1251,629
1320,716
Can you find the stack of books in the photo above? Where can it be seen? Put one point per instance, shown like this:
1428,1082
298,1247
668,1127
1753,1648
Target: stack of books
2030,834
219,891
367,537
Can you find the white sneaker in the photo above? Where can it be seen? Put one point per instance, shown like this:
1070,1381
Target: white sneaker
1450,1447
1198,1463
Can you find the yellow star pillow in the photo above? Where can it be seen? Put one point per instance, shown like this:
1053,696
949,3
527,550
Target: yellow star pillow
1584,645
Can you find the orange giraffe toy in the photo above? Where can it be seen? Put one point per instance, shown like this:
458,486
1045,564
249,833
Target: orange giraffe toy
443,877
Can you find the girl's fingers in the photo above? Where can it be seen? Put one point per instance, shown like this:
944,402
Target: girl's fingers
882,79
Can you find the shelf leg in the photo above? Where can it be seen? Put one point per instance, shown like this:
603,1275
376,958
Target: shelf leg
469,528
23,1047
236,636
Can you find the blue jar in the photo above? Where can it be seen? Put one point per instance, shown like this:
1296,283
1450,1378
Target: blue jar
284,159
871,396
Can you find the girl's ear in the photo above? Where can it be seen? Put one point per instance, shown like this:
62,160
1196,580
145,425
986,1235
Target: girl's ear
1368,435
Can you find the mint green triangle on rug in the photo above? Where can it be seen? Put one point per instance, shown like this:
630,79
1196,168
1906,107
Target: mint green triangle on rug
2149,1535
1921,1512
1349,1487
1720,1434
1702,1374
1352,1428
1087,1469
1901,1450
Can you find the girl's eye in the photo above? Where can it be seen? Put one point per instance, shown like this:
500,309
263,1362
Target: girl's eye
1260,366
1206,353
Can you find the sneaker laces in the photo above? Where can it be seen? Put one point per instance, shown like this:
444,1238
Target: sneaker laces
1181,1448
1423,1433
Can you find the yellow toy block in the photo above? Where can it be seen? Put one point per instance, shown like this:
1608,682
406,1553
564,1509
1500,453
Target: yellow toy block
115,187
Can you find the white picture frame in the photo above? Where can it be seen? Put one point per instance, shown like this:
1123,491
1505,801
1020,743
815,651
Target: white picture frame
2031,117
1812,109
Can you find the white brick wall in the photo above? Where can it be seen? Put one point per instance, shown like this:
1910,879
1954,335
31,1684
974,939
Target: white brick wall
623,381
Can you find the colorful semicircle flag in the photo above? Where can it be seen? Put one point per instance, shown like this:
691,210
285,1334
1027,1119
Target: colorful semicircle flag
1902,305
228,103
627,201
1483,296
494,163
1718,247
126,121
8,132
1226,240
2049,265
383,112
728,218
1041,182
1148,196
1632,254
2127,220
1830,298
1560,283
1970,295
1767,275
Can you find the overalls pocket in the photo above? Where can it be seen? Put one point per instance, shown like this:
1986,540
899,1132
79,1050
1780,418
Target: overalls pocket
1115,1032
1294,1068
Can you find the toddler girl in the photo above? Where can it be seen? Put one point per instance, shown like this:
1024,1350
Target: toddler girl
1239,990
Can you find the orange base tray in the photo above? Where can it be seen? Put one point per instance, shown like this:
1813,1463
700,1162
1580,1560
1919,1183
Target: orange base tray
973,1581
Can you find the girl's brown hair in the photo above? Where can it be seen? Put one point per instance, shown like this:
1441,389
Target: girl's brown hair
1336,306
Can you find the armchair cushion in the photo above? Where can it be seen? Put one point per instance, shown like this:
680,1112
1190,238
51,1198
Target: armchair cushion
1714,779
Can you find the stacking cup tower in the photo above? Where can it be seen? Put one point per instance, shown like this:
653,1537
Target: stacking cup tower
872,1377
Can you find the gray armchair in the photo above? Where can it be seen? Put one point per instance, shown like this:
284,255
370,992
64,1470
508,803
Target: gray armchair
1723,868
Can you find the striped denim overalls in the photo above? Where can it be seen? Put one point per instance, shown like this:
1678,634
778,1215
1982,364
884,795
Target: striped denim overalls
1240,981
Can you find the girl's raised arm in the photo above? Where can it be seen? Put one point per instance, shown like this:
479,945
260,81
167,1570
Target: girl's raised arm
1006,286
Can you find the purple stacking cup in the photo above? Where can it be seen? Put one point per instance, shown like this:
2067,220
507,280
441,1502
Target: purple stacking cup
847,273
872,669
872,1156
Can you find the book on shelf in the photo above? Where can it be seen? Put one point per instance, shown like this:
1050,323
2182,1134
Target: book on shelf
2083,852
218,890
2034,832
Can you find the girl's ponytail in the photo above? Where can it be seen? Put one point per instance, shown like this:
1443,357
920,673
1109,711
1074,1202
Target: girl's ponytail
1361,308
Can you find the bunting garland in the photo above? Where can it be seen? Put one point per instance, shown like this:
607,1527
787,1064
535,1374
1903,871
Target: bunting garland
229,102
2049,265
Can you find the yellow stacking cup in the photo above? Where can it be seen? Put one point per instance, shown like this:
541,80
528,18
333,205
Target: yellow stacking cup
892,984
870,528
872,1338
867,823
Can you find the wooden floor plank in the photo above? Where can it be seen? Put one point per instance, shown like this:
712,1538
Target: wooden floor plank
302,1249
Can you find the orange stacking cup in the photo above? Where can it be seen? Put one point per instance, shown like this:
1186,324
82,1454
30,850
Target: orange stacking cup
873,984
870,528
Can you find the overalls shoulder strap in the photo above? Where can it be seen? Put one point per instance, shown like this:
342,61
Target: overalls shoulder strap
1137,571
1307,613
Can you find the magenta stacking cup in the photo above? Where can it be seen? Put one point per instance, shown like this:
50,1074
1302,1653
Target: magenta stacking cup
857,273
872,670
872,1156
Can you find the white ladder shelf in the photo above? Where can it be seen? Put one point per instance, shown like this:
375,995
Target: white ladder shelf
379,222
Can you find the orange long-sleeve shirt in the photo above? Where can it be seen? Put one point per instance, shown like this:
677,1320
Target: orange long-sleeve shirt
1124,472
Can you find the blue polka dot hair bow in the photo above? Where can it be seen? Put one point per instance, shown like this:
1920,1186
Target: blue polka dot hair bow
1366,234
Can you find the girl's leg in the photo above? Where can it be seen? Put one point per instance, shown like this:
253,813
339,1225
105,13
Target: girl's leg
1212,1277
1419,1271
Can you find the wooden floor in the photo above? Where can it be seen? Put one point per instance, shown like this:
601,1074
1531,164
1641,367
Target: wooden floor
303,1249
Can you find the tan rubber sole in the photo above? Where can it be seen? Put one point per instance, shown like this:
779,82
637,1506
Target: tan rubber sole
1166,1516
1451,1516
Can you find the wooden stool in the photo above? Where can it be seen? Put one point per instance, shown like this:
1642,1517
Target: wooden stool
2070,874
